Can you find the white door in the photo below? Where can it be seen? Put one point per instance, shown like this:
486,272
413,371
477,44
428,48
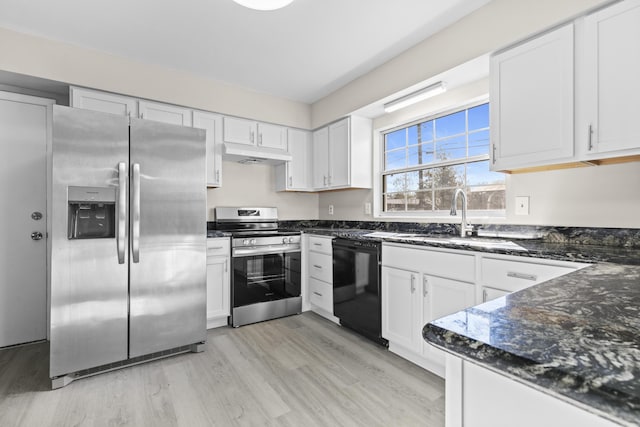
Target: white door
165,113
239,131
299,168
339,161
321,158
272,136
101,101
217,287
25,129
212,123
399,308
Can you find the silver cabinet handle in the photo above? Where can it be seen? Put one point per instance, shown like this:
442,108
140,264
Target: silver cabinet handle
324,178
252,136
425,286
142,115
494,154
590,137
218,176
122,211
329,180
260,139
290,181
135,204
317,244
317,293
413,283
215,247
226,265
36,235
317,266
485,295
522,276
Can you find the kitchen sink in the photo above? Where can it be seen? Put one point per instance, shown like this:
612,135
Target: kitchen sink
460,241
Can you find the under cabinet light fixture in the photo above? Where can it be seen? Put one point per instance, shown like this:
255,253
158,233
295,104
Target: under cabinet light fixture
264,4
417,96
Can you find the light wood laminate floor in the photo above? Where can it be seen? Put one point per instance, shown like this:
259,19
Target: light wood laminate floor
296,371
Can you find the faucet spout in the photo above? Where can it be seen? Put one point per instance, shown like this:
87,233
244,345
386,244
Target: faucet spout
465,228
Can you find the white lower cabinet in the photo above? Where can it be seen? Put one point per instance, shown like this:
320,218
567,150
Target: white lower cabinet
478,397
421,284
319,275
218,281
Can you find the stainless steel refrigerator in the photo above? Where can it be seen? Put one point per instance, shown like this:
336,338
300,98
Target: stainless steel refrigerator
128,242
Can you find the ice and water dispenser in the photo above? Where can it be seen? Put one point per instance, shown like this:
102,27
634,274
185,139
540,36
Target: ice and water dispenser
92,213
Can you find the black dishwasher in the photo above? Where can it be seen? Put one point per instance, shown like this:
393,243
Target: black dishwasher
356,287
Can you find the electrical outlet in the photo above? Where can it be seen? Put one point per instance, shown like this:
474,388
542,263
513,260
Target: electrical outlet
330,209
522,205
367,208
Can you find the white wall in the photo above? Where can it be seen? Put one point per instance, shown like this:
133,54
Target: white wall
254,185
39,57
491,27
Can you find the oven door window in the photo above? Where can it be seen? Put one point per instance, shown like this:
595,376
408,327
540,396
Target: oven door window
261,278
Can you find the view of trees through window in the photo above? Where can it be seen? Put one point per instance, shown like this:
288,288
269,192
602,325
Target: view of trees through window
425,163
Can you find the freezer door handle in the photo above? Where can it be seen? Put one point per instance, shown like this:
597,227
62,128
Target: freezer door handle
122,210
135,212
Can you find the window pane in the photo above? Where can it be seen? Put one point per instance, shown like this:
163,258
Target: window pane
452,148
478,173
413,181
420,201
479,117
453,124
395,159
412,135
448,176
442,199
395,139
421,154
426,130
479,143
394,183
394,202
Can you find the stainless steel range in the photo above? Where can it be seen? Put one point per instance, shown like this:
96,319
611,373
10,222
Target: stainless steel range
265,283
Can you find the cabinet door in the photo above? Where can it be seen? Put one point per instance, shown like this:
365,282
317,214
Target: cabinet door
298,169
441,297
104,102
611,80
272,136
489,293
165,113
339,154
218,299
321,158
532,102
239,131
212,123
400,307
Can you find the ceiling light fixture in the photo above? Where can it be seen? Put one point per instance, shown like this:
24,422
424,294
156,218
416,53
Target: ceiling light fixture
417,96
264,4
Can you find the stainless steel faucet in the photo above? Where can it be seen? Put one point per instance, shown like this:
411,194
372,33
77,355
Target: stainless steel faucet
465,227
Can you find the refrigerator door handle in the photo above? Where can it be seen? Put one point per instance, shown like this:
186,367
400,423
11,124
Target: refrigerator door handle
135,213
122,211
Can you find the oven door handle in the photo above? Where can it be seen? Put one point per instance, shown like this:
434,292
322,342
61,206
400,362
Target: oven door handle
264,250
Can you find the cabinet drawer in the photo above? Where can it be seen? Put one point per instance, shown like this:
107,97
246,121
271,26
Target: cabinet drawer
512,276
457,266
218,246
320,244
321,267
321,295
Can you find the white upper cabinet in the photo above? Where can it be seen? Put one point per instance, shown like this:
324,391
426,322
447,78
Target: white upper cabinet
212,123
165,113
342,154
272,136
532,98
611,86
249,132
321,158
295,175
101,101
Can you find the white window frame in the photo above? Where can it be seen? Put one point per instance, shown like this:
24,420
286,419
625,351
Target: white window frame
378,169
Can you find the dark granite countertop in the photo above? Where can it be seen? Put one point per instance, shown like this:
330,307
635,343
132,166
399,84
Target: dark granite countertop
576,337
216,233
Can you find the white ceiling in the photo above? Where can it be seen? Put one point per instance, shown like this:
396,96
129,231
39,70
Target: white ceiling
302,52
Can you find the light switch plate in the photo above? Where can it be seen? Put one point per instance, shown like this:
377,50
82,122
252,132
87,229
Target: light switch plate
367,208
330,209
522,205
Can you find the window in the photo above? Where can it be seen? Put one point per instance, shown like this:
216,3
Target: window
425,162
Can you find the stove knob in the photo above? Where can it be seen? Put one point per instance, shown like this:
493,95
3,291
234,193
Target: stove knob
290,239
284,240
245,242
253,241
